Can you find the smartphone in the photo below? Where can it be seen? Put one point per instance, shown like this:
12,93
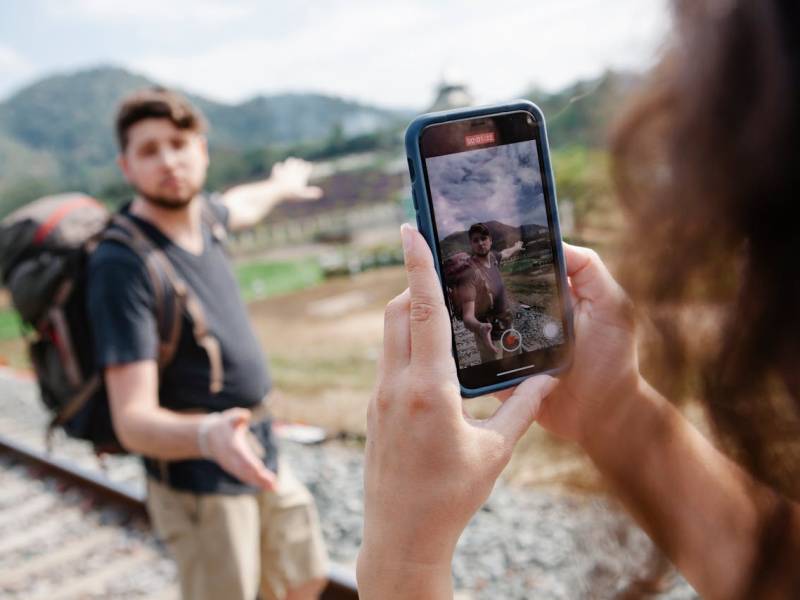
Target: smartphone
485,201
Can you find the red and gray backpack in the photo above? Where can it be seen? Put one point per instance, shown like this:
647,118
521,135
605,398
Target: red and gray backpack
44,253
459,269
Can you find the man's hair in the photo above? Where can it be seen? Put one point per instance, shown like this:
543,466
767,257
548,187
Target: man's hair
157,103
479,228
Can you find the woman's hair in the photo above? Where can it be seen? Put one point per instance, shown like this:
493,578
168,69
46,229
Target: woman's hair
707,165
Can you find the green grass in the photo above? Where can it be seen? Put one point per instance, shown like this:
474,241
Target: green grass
9,324
256,280
262,279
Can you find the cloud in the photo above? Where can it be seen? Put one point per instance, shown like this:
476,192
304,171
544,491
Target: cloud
491,184
15,69
394,54
348,53
12,63
154,11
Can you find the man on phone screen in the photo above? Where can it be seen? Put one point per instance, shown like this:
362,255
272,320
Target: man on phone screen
486,307
238,523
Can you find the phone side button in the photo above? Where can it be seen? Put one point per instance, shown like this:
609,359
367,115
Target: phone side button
414,196
411,170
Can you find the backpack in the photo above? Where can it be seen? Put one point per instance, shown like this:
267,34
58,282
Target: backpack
459,268
45,248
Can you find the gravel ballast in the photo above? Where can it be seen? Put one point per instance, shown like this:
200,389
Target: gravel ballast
525,543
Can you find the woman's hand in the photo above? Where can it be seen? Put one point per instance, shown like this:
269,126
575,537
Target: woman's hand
428,466
604,373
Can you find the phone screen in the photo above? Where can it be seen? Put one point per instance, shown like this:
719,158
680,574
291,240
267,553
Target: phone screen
494,229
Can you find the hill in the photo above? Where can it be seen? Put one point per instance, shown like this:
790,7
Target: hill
58,132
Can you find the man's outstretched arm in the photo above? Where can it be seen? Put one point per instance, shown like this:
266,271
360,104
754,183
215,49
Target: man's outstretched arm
249,203
512,251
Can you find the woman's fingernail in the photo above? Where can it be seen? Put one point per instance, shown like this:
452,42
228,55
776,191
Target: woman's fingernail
407,235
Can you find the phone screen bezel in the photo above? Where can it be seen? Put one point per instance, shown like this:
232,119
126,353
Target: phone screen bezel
510,127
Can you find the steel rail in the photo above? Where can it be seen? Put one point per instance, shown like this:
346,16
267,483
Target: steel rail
341,582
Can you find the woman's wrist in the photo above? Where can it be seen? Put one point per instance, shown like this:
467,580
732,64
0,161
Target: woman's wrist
384,574
633,408
408,544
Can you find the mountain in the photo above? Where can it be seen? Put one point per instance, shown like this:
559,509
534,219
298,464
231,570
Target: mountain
66,119
289,119
57,134
503,236
60,129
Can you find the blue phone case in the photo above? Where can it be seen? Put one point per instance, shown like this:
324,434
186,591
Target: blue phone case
422,204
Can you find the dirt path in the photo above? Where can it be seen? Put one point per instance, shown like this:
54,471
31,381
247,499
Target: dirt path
323,345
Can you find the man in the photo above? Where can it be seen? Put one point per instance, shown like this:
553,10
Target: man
236,527
486,308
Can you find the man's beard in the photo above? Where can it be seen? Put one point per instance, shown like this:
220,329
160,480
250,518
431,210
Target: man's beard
175,204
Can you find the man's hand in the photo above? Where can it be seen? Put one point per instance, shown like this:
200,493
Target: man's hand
290,178
485,333
480,329
229,448
512,250
249,203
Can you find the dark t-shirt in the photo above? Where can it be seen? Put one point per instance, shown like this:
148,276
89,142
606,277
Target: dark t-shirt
121,302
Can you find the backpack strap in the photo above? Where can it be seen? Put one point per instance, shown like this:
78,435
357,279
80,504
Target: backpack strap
73,406
160,264
217,227
168,315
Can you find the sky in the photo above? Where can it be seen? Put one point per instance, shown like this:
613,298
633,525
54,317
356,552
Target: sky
387,53
501,183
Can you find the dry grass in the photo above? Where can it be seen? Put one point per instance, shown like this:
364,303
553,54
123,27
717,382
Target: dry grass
323,345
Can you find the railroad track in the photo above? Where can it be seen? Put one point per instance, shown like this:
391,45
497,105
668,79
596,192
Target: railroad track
71,530
63,537
522,544
67,533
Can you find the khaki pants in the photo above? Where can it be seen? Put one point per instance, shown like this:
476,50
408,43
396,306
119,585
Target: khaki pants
233,547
